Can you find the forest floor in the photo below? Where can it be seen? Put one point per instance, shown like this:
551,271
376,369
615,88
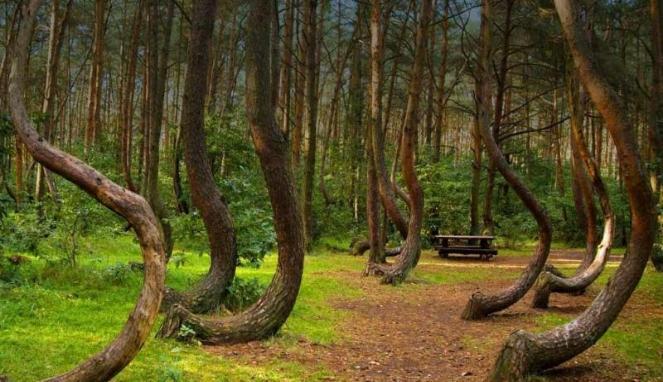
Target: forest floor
345,327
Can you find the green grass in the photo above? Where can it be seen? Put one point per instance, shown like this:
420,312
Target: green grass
60,315
48,326
636,342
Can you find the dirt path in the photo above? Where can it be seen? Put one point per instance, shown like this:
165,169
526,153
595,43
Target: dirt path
414,333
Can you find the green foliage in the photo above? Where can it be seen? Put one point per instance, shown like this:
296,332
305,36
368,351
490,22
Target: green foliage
657,256
242,293
116,274
446,188
24,232
12,271
243,188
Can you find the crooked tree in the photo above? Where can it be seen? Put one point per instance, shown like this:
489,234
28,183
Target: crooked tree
525,353
268,314
481,305
132,207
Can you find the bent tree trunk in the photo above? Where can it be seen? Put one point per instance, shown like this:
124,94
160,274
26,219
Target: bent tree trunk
376,136
411,250
480,305
549,283
110,361
266,316
208,294
526,353
583,193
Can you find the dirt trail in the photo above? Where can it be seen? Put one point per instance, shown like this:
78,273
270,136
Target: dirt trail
414,333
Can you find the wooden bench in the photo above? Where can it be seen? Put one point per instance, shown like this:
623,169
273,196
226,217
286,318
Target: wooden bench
464,245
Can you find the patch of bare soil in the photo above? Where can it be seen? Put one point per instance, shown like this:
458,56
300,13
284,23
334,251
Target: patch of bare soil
414,333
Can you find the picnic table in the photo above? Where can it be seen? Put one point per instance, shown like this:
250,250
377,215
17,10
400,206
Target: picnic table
464,245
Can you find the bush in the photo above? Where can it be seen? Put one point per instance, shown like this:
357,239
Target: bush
242,293
657,257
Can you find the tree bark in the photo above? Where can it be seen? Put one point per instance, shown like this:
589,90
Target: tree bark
156,83
127,105
442,95
411,250
376,255
480,305
58,23
311,64
94,95
583,193
500,105
208,294
377,137
266,316
525,353
550,283
106,364
285,98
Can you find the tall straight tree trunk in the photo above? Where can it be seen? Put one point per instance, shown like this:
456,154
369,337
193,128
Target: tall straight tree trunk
430,91
656,123
266,316
480,305
526,353
156,83
442,96
300,85
311,64
96,69
110,361
55,40
376,255
286,66
411,250
656,99
127,105
500,100
475,190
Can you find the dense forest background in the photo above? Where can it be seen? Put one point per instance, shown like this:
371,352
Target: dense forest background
88,72
234,130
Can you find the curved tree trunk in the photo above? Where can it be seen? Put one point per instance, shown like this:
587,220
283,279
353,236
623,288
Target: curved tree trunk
208,294
549,283
526,353
481,305
385,190
106,364
266,316
411,250
583,193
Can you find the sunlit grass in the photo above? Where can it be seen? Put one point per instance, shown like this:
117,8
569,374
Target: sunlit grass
62,315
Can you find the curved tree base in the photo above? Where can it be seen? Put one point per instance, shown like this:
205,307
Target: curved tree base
542,291
474,309
359,247
260,321
199,301
396,273
512,364
104,365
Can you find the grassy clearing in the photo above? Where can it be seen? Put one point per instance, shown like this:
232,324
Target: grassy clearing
61,315
64,315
